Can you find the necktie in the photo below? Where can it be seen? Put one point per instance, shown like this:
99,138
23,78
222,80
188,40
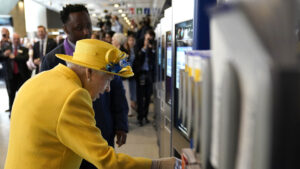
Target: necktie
15,64
42,49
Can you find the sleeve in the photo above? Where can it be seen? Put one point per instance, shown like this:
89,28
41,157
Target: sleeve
35,50
120,112
52,45
46,63
22,57
76,129
2,57
137,62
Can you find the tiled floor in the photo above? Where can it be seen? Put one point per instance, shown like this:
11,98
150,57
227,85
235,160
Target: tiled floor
141,141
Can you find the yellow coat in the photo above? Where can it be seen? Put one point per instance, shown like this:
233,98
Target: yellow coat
53,127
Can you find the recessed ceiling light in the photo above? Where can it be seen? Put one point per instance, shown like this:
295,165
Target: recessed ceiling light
21,4
94,15
116,5
120,10
123,15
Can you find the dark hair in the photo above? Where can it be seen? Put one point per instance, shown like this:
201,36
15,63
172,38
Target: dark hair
131,34
151,33
111,33
41,26
64,14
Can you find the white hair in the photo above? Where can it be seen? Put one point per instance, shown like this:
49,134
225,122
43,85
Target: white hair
120,37
81,68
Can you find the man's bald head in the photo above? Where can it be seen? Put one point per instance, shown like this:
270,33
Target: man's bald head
16,39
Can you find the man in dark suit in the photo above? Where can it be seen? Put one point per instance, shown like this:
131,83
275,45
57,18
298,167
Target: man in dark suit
111,108
43,46
14,59
143,68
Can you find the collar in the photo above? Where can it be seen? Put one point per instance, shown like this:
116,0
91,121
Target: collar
45,39
69,47
69,73
16,46
72,44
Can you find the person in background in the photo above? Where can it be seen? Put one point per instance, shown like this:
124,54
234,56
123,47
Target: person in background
5,47
43,46
116,25
132,82
143,67
119,40
14,58
145,26
108,36
95,35
30,64
111,119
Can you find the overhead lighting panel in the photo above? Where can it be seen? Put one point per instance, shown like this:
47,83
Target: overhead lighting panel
116,5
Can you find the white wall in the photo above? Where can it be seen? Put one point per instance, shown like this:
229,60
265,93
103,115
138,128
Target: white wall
183,10
35,15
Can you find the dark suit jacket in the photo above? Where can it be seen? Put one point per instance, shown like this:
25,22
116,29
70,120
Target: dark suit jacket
139,60
111,108
51,44
21,59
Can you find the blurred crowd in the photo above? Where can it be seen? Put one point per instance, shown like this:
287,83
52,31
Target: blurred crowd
21,58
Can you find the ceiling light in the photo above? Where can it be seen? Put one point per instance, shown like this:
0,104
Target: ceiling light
120,10
94,15
21,4
123,15
116,5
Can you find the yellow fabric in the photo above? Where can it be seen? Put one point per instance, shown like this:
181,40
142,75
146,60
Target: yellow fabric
96,54
53,127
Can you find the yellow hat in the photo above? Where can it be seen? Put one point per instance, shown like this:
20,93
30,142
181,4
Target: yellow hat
99,55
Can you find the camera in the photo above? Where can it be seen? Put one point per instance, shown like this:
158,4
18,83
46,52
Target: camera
6,45
151,41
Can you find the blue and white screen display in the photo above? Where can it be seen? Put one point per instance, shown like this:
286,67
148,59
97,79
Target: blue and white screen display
180,62
159,56
169,61
183,42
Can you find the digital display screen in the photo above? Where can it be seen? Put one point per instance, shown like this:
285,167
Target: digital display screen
169,61
158,68
159,56
6,21
183,42
180,62
163,64
169,67
159,51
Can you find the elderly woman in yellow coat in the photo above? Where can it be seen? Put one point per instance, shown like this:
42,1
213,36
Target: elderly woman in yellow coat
52,123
